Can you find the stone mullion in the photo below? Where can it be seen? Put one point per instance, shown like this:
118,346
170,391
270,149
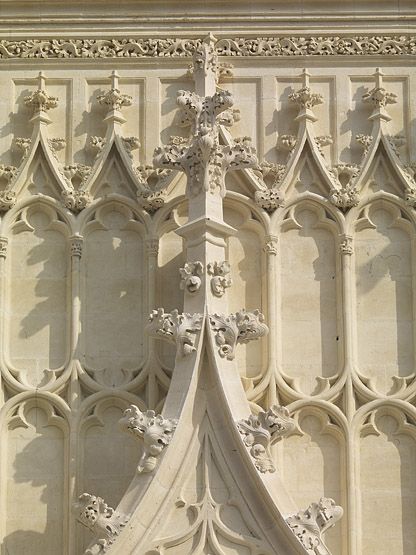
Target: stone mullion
3,253
347,271
152,251
271,249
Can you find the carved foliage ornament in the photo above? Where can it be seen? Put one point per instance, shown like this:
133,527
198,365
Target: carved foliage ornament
175,328
309,525
220,279
191,276
263,430
103,521
240,327
324,45
155,431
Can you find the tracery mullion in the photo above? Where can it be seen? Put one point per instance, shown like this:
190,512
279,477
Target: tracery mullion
3,253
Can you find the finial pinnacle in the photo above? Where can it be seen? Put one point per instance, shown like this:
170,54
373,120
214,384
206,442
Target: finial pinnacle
114,79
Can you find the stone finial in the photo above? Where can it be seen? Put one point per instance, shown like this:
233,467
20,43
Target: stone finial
263,430
155,431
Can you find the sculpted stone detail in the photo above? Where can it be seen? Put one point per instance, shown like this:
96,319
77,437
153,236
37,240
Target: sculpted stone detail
396,142
23,144
324,45
78,171
305,98
239,327
379,97
270,245
7,200
4,242
365,141
130,144
155,431
114,99
176,328
41,101
103,521
263,430
152,247
346,245
287,142
56,144
268,199
345,193
7,173
203,159
205,59
322,141
309,525
152,181
220,280
191,275
76,243
76,200
96,144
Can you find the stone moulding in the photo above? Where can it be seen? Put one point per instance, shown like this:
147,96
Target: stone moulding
155,431
103,521
263,430
309,525
240,327
300,45
175,328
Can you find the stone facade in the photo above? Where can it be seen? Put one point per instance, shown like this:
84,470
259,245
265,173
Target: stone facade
207,278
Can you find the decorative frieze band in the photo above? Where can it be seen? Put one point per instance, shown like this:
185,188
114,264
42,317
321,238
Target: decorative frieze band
324,45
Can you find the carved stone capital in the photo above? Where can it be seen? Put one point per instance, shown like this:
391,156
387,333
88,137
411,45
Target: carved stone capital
4,243
76,243
220,279
346,244
270,245
191,276
263,430
309,525
103,521
240,327
155,431
152,247
7,200
175,328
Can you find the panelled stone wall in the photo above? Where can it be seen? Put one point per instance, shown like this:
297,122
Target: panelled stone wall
324,247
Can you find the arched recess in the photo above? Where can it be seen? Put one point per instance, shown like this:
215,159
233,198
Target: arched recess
35,450
114,286
37,294
387,482
384,295
107,457
310,297
313,461
244,253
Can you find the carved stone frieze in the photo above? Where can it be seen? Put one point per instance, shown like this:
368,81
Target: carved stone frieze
103,521
263,430
284,46
309,525
239,327
155,431
220,280
179,329
191,276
